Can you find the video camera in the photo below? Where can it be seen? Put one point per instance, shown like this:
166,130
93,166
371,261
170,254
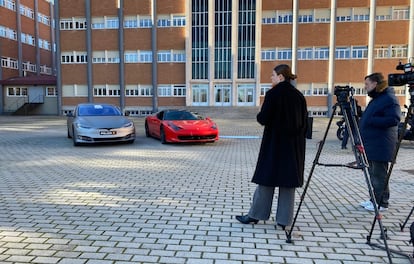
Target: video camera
343,92
399,79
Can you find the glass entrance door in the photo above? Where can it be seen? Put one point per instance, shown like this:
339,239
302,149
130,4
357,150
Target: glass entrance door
200,92
245,95
222,94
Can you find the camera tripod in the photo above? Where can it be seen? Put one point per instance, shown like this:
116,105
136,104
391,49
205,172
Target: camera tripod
347,105
408,117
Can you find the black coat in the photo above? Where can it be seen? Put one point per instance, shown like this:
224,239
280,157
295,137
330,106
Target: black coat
282,152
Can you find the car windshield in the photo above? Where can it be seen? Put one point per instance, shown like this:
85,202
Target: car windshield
98,110
179,115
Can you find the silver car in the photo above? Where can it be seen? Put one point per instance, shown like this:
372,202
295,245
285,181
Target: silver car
94,123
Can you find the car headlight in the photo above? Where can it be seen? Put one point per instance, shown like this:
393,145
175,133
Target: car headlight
79,125
173,126
130,124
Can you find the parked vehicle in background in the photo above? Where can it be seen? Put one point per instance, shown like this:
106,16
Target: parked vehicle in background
173,126
98,123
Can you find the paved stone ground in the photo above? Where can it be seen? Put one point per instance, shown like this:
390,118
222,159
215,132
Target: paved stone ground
154,203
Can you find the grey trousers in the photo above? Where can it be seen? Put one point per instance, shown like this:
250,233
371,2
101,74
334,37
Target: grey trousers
262,204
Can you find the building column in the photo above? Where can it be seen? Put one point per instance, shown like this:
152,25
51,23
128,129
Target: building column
371,37
331,65
234,46
258,51
120,6
295,25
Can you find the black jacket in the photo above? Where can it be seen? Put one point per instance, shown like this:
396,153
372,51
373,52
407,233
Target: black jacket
282,151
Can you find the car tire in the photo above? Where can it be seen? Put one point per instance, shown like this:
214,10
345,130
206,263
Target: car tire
75,143
147,133
162,136
340,133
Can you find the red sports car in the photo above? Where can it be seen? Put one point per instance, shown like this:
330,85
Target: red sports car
172,126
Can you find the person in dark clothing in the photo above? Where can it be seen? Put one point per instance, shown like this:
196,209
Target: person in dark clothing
282,152
379,133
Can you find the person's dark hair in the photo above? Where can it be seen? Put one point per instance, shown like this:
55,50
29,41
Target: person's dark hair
377,77
285,70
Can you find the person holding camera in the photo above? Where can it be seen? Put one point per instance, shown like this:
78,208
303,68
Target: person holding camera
282,152
379,133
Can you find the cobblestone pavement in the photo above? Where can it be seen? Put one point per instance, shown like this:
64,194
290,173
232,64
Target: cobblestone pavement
152,203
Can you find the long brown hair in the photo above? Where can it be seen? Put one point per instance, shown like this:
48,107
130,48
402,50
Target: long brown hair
285,70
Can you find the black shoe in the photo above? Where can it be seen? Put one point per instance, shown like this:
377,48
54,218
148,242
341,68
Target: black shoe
344,147
282,226
245,219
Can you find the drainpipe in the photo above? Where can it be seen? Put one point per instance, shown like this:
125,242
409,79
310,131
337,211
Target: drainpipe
121,55
89,50
56,64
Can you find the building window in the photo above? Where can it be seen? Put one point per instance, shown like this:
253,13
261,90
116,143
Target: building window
179,90
305,88
112,23
264,88
401,13
145,23
322,15
164,22
164,56
199,49
131,22
222,39
145,90
73,24
285,17
284,54
321,53
178,21
398,51
268,55
342,53
108,90
51,91
164,90
360,52
74,57
305,16
17,91
319,89
246,39
305,54
9,63
145,56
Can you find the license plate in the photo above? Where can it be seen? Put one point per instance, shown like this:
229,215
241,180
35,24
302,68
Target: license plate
107,132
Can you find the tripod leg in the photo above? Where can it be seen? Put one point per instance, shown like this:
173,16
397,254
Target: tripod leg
315,162
362,161
406,220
